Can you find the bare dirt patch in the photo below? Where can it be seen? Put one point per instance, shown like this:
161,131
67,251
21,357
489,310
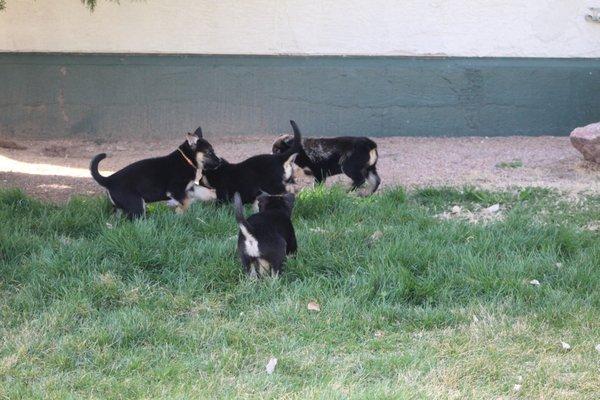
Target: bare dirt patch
493,163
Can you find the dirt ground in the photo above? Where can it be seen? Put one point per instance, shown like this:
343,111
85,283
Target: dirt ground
54,170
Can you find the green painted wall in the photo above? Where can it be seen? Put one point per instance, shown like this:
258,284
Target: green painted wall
56,95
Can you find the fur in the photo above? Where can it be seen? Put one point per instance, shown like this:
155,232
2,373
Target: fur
262,173
356,157
157,179
267,237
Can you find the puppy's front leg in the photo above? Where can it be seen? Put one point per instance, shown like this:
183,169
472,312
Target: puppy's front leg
181,199
183,205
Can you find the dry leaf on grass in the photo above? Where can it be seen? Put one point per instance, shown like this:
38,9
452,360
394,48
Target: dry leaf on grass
598,348
313,306
378,334
493,209
455,210
271,365
376,236
565,346
517,387
534,282
109,225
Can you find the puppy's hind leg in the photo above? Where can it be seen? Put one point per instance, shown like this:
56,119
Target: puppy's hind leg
354,168
320,178
357,176
132,204
373,181
113,206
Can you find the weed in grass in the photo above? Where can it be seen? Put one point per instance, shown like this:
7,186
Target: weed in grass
510,164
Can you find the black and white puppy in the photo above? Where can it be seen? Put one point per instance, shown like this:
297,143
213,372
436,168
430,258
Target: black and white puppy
262,173
158,179
265,238
322,157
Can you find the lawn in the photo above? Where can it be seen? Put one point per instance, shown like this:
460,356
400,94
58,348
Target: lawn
415,301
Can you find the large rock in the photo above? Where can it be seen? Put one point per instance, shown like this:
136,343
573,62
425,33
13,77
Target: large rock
587,141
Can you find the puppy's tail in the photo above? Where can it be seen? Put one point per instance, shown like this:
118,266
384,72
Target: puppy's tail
102,180
239,210
296,144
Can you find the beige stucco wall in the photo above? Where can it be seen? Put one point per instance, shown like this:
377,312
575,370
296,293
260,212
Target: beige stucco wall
515,28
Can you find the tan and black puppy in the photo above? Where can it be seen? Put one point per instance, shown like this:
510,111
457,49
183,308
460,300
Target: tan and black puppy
265,238
356,157
262,173
158,179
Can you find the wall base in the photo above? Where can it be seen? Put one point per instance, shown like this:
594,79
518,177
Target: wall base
62,95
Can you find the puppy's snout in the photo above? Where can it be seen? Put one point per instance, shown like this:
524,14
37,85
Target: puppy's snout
212,161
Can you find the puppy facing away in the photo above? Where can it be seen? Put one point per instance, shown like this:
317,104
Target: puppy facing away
158,179
262,173
322,157
265,238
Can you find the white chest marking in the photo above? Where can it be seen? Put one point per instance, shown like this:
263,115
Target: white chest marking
250,242
199,176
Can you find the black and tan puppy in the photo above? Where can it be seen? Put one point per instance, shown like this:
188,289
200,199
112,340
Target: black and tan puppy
262,173
158,179
265,238
322,157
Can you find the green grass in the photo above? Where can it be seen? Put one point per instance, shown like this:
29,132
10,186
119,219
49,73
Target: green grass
510,164
159,308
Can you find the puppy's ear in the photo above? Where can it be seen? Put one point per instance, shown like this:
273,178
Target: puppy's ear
192,139
198,132
289,140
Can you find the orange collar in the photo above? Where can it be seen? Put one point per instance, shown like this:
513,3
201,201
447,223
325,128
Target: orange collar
186,158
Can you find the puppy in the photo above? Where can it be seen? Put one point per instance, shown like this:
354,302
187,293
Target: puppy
322,157
157,179
265,238
263,173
